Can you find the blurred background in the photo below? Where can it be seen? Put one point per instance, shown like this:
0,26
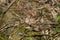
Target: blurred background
29,19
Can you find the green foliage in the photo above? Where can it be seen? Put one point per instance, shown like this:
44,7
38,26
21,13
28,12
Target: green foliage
28,38
42,38
57,19
57,29
22,29
3,37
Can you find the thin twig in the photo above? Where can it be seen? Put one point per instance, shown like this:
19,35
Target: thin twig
9,6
